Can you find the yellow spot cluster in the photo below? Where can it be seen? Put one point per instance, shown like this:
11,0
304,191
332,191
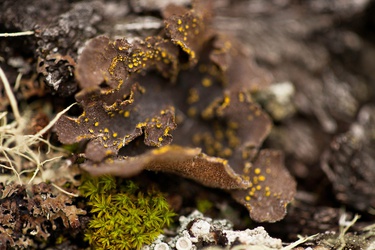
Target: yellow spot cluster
139,58
143,53
156,122
188,28
106,136
221,143
256,182
184,28
114,63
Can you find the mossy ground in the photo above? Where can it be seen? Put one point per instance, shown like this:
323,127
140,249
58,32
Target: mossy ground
123,216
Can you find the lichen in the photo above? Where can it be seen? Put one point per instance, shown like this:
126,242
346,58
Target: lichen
197,231
29,217
26,157
183,104
35,186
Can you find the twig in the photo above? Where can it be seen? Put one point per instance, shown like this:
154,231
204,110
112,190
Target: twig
64,191
344,227
298,242
18,82
54,120
17,147
12,167
22,33
12,99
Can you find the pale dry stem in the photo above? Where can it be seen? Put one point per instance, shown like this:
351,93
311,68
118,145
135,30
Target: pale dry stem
22,33
18,149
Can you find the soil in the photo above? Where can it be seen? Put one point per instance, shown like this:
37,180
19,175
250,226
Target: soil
322,52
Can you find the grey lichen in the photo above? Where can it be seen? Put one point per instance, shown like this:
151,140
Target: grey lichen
196,231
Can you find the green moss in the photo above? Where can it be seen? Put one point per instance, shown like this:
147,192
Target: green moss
124,217
204,205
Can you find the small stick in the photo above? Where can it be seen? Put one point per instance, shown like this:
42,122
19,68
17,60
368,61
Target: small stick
12,99
64,191
22,33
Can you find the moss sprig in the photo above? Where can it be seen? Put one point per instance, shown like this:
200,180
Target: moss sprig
124,216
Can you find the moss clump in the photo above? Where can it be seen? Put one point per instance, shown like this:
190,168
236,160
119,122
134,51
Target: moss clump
203,205
124,217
